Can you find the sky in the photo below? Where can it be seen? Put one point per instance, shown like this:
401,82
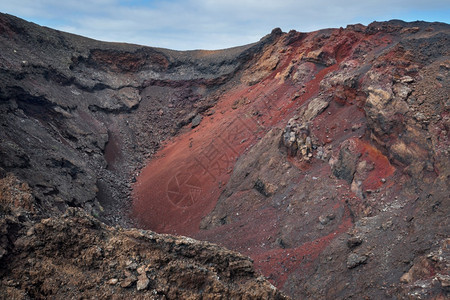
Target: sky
212,24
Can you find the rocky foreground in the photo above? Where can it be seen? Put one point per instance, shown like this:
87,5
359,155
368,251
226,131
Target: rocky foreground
323,156
75,256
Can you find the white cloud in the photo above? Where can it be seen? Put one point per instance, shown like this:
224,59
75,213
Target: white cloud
211,24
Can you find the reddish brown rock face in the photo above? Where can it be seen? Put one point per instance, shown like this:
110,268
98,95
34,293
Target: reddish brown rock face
322,156
229,181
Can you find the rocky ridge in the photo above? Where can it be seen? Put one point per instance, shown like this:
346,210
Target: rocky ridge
75,255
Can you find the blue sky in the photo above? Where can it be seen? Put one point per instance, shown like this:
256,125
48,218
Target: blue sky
212,24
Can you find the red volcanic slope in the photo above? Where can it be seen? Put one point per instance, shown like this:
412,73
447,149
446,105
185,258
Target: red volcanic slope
184,181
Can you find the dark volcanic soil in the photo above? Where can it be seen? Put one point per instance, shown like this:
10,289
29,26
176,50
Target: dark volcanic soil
322,156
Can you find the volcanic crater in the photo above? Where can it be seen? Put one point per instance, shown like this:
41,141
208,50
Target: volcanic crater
319,159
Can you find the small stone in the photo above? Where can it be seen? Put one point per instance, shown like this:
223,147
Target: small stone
30,231
47,222
411,100
406,79
113,281
324,220
386,225
434,256
355,260
354,241
440,77
419,116
210,112
406,278
128,281
160,112
356,126
444,280
280,242
112,264
132,266
196,121
142,282
402,91
383,180
141,270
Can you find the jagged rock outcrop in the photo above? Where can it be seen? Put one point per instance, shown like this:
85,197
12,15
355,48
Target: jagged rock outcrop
351,218
75,255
